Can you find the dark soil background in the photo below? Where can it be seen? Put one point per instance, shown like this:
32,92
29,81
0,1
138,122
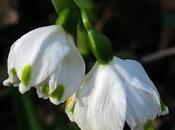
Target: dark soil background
139,29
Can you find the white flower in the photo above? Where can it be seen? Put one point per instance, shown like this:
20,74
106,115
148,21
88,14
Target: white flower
46,58
112,94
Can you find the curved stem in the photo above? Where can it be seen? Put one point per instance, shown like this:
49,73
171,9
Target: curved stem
63,17
85,20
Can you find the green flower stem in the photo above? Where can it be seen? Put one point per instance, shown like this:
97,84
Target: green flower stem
85,20
85,4
60,5
99,43
68,18
100,46
68,14
63,17
82,40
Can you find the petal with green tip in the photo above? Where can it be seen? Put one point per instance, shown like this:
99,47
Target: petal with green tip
26,75
58,92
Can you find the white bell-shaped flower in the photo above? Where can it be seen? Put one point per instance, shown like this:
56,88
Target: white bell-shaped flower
113,94
46,58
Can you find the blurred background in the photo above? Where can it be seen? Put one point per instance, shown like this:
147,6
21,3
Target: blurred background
138,29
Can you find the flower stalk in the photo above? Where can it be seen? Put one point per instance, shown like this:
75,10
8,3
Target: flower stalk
99,43
82,40
63,17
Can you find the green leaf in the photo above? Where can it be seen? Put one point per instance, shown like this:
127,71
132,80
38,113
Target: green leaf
26,75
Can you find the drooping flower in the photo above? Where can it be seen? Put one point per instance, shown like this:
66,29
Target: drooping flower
113,94
46,58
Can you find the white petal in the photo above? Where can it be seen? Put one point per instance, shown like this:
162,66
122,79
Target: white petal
138,128
70,73
42,48
7,82
11,59
135,74
143,101
100,103
164,108
124,80
23,88
43,90
70,106
165,112
11,64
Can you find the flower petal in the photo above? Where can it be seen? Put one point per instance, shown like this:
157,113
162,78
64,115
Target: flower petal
42,49
143,101
135,74
43,90
47,47
124,80
11,70
100,103
71,73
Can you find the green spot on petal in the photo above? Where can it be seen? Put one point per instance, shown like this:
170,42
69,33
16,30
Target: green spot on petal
45,89
58,92
26,75
13,71
73,107
149,125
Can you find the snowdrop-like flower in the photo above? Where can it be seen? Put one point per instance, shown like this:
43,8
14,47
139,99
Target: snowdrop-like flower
46,58
113,94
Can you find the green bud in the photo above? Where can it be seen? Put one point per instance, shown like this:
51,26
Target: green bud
58,92
100,46
82,40
26,75
62,4
149,125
